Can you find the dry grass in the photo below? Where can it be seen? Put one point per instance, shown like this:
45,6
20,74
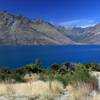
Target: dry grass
32,89
97,97
82,92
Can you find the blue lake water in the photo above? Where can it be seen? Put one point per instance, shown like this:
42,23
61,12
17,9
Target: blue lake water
16,56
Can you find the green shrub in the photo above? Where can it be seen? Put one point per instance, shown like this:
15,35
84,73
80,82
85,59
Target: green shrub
61,73
81,73
54,68
9,75
91,67
46,75
62,79
34,68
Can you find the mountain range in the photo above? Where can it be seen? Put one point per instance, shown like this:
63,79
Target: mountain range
19,30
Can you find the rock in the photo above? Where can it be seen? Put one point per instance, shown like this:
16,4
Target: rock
64,96
93,93
97,75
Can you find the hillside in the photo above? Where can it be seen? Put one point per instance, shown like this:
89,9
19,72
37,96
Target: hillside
23,31
19,30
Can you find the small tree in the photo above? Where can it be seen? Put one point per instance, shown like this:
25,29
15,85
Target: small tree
34,68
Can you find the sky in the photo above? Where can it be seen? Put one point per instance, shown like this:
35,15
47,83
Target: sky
80,13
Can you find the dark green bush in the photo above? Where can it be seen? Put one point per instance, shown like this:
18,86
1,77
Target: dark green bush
54,68
34,68
81,73
9,75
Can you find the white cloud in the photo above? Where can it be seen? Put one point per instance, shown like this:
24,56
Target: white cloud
81,22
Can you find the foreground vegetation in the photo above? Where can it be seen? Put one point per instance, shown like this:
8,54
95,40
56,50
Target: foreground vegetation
65,73
38,81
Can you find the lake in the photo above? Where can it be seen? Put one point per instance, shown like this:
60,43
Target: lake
16,56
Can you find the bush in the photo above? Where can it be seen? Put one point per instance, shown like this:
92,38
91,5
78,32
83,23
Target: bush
9,75
54,68
33,68
46,75
62,79
91,67
64,74
81,73
5,74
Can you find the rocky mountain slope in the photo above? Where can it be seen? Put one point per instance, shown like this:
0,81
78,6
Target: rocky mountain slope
19,30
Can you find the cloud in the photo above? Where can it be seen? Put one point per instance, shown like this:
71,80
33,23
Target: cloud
81,22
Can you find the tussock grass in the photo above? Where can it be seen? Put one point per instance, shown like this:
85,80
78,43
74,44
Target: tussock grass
82,91
37,88
97,97
79,92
